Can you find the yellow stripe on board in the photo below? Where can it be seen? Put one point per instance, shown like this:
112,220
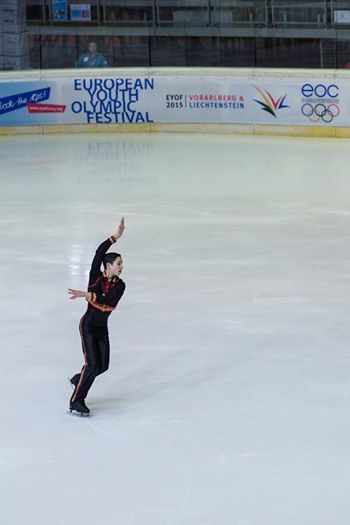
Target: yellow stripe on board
230,129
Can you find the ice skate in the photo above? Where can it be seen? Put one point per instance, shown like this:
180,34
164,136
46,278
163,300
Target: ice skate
73,381
78,408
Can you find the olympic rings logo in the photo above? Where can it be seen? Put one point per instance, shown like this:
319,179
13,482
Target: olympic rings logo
320,111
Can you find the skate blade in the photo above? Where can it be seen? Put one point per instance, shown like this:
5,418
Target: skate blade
76,413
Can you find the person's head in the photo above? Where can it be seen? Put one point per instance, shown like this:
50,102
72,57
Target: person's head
113,264
92,47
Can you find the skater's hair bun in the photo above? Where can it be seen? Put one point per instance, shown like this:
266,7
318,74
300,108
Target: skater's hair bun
110,258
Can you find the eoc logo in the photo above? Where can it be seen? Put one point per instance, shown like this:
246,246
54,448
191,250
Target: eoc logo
320,102
320,91
270,104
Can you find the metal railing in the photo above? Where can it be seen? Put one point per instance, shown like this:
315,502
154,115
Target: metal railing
200,13
177,13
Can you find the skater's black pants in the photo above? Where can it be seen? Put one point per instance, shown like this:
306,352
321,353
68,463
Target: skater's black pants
95,343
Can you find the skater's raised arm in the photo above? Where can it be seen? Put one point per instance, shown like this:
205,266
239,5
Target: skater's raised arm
101,251
95,271
103,248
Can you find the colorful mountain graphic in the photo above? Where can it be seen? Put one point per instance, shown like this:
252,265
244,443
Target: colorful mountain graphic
269,104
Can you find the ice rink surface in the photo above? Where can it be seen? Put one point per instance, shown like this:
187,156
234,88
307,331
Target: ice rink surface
227,401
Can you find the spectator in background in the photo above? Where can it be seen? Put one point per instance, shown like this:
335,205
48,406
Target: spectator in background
92,58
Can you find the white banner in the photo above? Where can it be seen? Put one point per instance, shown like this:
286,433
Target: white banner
110,98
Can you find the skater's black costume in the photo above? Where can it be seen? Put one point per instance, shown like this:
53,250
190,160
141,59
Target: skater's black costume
103,297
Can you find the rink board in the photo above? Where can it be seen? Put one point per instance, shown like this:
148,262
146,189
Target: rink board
313,103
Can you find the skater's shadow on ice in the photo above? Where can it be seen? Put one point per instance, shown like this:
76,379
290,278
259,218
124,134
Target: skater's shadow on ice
154,380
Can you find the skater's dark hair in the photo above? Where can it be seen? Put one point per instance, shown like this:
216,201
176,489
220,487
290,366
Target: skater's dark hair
110,258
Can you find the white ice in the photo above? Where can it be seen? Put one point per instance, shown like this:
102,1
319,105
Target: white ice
227,401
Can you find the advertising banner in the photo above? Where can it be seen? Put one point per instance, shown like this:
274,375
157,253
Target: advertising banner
80,12
59,10
109,99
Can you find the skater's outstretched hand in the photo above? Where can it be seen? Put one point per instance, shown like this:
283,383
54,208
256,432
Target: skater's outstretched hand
121,229
75,294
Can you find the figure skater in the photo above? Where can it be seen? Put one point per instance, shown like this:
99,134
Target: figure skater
104,292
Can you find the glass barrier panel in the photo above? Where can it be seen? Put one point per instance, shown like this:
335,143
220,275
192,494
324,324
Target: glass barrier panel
302,12
133,12
232,12
58,51
183,13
